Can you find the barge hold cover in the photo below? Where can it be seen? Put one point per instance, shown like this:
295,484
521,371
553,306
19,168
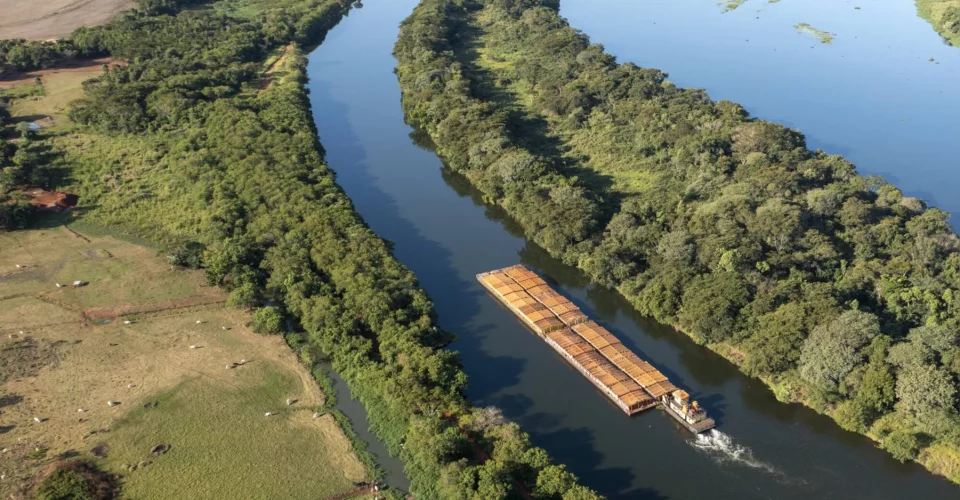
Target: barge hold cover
630,382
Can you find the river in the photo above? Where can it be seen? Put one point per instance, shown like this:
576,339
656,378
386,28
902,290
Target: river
446,235
872,95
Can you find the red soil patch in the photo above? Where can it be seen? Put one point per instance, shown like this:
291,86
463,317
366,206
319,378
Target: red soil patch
51,200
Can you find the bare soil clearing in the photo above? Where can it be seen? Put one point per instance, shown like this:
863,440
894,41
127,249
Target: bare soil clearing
158,344
52,19
273,70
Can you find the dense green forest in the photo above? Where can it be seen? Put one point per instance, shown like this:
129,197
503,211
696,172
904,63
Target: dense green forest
187,144
21,163
836,289
944,15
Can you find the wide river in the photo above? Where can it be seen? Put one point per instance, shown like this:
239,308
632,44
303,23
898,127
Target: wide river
444,233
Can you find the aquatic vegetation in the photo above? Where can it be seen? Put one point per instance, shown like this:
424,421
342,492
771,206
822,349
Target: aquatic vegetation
823,36
732,4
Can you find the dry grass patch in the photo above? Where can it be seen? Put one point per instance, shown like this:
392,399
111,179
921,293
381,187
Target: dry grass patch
77,353
55,18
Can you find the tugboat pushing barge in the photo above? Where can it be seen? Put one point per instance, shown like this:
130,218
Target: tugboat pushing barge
628,381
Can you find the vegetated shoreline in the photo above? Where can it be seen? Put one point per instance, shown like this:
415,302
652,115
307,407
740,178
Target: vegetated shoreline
186,146
585,153
944,16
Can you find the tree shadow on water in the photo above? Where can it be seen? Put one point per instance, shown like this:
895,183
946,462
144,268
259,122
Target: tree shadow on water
361,164
576,448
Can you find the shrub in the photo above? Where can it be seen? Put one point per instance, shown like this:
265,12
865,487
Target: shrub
189,254
244,297
77,480
902,445
268,319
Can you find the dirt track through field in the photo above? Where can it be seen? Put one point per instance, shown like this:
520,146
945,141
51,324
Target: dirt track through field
53,19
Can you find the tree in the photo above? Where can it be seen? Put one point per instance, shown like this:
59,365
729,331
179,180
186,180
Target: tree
877,389
711,304
554,481
925,392
823,201
774,346
764,137
244,296
778,223
834,349
903,445
23,128
853,416
268,319
14,215
493,482
676,248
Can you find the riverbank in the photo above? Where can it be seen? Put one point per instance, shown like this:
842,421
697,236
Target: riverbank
226,173
703,218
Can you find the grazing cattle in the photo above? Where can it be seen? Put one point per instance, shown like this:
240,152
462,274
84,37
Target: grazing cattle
37,419
268,414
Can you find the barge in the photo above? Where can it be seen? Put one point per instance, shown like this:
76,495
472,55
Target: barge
628,381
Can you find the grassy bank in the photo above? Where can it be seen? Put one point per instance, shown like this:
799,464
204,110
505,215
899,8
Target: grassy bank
835,289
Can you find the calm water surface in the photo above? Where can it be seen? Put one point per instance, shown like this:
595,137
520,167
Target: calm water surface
872,95
445,234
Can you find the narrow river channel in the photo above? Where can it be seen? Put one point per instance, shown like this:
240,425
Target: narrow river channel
443,232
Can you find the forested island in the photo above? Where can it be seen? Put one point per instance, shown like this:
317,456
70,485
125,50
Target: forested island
837,290
199,138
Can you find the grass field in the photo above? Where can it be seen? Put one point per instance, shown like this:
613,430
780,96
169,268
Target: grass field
76,352
54,18
60,87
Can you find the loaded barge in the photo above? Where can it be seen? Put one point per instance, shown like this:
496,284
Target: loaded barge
628,381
